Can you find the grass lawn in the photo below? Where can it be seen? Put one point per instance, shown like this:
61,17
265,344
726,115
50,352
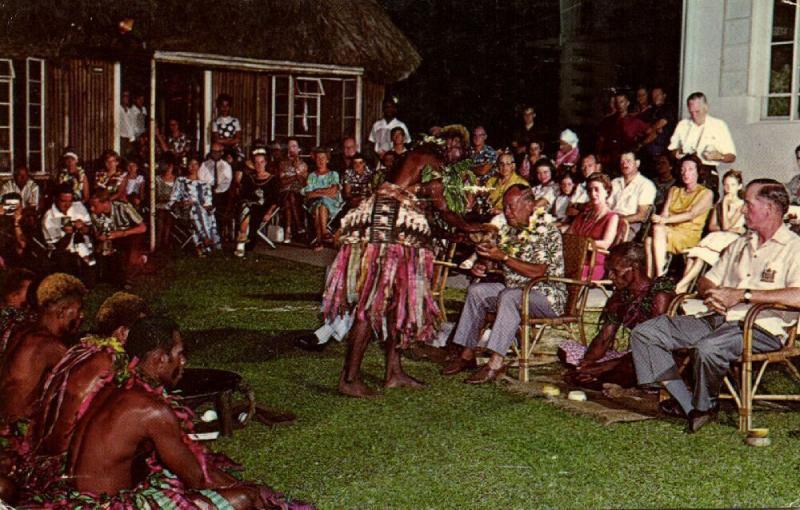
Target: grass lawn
452,445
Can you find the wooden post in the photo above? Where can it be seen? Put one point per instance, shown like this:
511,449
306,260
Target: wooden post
152,175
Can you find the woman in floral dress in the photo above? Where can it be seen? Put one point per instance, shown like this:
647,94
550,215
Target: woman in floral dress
193,197
323,199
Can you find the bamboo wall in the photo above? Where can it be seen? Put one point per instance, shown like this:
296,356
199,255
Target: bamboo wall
80,109
251,101
373,108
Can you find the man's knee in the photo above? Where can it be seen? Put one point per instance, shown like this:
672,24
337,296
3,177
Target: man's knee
509,298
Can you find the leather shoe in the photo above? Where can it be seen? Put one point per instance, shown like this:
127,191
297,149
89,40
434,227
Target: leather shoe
485,374
697,419
459,364
671,408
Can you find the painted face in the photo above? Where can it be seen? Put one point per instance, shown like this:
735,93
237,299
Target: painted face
688,173
731,185
543,174
620,274
597,193
757,211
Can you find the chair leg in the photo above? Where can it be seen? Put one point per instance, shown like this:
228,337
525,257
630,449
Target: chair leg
524,342
746,395
792,369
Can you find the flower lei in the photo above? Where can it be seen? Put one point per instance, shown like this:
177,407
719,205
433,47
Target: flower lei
456,179
512,240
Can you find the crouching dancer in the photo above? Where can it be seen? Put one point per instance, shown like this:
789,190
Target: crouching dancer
130,448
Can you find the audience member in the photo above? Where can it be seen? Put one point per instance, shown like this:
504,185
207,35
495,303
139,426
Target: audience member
66,227
176,141
759,267
343,160
506,177
619,134
259,198
545,189
323,199
643,106
226,129
529,159
28,190
665,179
681,222
598,222
725,226
193,198
357,182
398,136
793,186
110,178
661,121
73,174
632,194
529,131
568,153
218,174
380,135
134,181
165,182
293,178
127,132
524,253
138,115
567,192
119,232
705,136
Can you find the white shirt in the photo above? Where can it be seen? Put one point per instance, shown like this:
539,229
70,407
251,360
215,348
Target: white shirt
626,199
134,185
223,171
773,265
52,224
581,196
126,123
138,120
547,192
29,192
713,134
381,134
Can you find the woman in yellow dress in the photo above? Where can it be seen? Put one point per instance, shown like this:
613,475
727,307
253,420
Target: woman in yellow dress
680,224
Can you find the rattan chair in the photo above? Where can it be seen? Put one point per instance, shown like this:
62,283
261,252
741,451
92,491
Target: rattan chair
577,252
742,388
441,270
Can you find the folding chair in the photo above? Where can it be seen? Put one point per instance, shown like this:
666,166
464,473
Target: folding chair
741,386
263,230
181,230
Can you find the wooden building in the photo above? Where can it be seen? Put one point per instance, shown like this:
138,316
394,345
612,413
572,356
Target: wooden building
316,70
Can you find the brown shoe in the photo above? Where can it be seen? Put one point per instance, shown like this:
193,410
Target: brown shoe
485,374
458,365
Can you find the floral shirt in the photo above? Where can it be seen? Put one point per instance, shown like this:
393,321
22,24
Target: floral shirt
539,243
360,183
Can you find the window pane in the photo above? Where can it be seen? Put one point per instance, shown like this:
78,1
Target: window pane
780,71
5,68
5,91
36,92
783,21
5,119
35,164
5,139
5,162
281,105
778,107
35,118
35,138
34,70
282,85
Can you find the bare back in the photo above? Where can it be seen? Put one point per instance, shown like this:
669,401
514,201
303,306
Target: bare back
30,357
409,172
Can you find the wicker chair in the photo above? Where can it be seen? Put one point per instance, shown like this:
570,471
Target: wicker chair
739,381
441,270
576,253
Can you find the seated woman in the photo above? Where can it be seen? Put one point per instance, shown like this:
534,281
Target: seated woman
165,183
357,183
110,178
293,175
636,298
258,193
531,156
680,224
545,190
506,177
323,199
568,153
568,191
194,197
726,225
597,221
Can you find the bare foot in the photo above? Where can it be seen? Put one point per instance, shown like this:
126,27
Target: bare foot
402,379
356,389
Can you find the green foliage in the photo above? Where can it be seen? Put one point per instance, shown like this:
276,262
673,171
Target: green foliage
451,445
454,177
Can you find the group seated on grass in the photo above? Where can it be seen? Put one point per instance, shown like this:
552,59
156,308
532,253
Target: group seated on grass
93,424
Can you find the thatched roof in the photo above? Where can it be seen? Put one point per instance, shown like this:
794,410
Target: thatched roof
341,32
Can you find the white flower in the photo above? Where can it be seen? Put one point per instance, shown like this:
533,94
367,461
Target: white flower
541,229
548,218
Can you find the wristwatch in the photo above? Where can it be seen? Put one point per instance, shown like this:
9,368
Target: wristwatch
748,295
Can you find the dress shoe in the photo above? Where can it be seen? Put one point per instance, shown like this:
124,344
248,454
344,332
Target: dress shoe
670,407
697,419
458,365
310,342
485,374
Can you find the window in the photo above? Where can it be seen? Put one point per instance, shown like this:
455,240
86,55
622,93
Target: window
296,108
34,92
781,101
6,115
348,107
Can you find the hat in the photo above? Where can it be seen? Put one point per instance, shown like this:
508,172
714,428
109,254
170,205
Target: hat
569,136
70,154
456,130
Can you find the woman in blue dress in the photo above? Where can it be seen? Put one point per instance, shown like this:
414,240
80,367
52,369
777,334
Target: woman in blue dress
323,197
192,198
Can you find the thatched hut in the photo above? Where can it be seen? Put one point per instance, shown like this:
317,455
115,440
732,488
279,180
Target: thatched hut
309,68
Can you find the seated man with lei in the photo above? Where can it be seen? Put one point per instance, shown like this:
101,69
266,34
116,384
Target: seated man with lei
636,298
98,359
131,450
530,246
30,355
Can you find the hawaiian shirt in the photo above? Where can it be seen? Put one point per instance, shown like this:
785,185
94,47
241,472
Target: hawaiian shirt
181,145
539,243
76,181
483,156
122,217
360,183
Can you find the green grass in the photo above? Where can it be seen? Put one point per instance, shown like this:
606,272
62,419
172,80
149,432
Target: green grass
452,445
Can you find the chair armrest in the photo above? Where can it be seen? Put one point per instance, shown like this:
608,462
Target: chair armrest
677,301
445,263
750,321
